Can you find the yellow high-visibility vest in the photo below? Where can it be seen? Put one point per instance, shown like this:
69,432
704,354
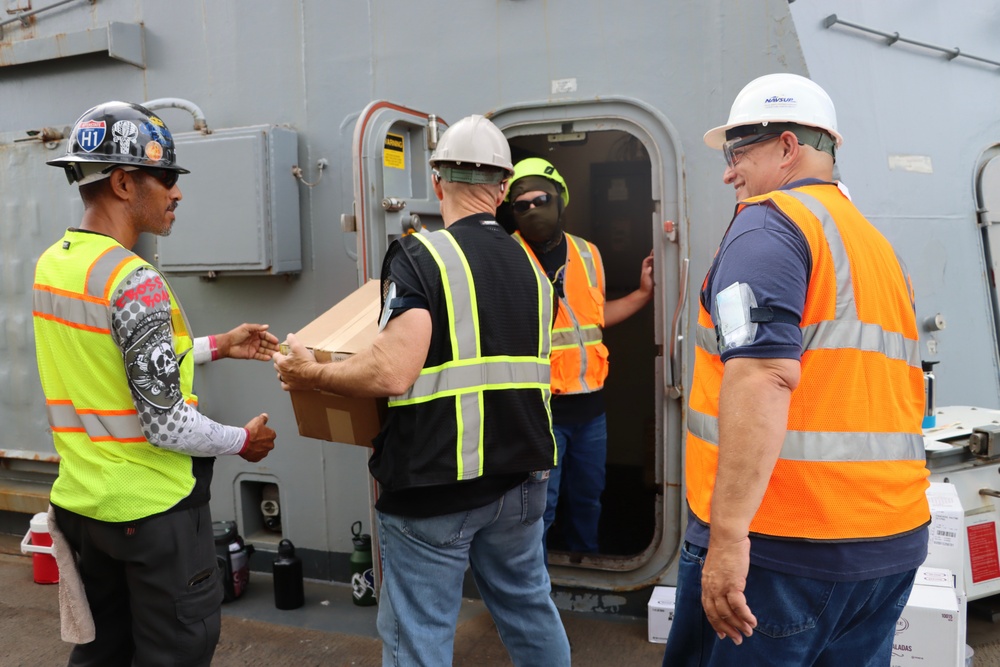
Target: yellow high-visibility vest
108,470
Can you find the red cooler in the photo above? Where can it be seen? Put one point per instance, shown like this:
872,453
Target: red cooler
42,554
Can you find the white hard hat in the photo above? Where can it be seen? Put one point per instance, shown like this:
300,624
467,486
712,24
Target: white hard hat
474,142
779,98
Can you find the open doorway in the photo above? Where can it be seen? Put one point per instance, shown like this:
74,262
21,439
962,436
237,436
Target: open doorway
609,176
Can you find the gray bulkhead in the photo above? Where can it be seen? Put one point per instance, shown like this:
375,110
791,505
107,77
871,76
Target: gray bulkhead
643,81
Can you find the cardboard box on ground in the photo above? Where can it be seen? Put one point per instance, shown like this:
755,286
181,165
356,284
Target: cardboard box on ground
346,329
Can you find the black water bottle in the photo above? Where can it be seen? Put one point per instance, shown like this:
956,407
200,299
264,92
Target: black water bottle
287,569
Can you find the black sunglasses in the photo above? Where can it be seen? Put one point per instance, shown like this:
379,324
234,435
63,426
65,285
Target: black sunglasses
525,204
166,176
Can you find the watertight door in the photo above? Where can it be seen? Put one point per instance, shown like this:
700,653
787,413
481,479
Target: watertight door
623,162
392,184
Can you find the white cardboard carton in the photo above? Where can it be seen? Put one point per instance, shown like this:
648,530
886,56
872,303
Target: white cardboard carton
946,543
930,632
661,613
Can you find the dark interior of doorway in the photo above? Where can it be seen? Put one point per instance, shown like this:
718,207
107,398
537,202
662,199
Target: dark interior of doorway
610,184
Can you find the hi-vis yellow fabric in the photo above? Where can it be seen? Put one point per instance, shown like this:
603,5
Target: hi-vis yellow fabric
852,466
108,470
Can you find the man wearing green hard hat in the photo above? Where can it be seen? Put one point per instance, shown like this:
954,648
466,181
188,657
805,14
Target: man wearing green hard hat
539,196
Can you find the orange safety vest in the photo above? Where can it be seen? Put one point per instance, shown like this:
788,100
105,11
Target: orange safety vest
852,465
579,356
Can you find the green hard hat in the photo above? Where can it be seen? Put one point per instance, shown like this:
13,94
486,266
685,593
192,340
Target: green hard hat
536,166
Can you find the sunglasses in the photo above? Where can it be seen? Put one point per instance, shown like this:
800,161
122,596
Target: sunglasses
731,149
523,205
166,176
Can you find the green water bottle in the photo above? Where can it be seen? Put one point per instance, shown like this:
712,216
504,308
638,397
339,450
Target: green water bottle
362,578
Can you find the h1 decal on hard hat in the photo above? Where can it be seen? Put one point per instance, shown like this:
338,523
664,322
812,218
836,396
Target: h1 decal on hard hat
90,134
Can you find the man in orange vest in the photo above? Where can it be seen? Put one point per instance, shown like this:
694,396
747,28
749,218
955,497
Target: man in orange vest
538,196
804,461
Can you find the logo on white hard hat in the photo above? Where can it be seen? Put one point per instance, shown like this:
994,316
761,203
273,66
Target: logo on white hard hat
778,102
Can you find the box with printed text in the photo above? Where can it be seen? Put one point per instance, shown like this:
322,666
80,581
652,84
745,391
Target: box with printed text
931,629
660,611
946,533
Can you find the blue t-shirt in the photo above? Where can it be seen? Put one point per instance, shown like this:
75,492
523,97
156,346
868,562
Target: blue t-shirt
768,252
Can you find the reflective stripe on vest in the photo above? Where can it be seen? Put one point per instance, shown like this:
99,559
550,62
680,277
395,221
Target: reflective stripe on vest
577,344
469,374
832,440
100,425
830,446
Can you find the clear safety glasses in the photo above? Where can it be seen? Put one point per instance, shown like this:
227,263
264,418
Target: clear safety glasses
735,149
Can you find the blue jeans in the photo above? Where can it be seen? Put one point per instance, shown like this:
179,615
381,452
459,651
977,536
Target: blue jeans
579,479
423,565
800,621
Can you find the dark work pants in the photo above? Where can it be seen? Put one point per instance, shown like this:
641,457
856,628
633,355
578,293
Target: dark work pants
153,586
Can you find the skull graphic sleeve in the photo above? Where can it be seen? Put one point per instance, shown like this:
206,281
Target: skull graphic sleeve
141,327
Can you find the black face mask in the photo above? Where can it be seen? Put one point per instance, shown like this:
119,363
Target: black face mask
539,224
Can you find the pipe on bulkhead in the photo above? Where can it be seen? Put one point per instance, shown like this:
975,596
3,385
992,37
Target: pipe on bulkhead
200,124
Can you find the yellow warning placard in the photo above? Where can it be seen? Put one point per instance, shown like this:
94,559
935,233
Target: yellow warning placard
394,153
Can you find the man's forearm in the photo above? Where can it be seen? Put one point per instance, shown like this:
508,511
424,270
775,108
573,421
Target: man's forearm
625,307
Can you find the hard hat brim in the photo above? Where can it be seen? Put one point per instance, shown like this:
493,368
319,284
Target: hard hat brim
715,137
76,159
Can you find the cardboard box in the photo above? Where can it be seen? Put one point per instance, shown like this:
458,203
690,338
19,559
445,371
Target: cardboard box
347,328
661,613
946,534
930,631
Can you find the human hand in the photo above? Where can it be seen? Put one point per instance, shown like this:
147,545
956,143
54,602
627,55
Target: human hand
260,441
646,276
248,341
294,369
723,580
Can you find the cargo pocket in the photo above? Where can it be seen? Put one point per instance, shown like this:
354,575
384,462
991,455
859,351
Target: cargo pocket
201,599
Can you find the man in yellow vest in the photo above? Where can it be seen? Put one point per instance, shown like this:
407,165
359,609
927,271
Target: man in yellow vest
539,195
465,451
116,362
805,463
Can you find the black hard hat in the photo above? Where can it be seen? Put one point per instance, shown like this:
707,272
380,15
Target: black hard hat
118,133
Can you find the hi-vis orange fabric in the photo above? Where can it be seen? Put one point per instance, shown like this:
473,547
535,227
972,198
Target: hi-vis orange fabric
852,466
108,470
579,356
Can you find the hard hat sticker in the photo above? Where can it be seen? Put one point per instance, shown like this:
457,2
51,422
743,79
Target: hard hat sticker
157,133
124,133
154,151
90,134
156,121
779,101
